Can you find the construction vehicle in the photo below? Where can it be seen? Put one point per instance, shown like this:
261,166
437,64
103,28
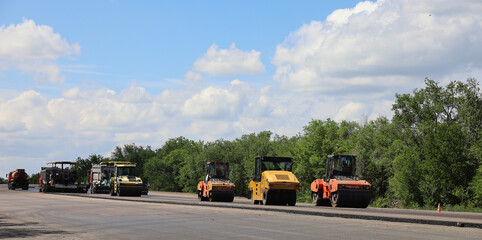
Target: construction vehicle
60,179
340,187
17,179
124,181
273,182
100,174
216,186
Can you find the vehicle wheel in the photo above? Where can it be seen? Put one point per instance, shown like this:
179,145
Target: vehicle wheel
266,198
119,192
12,188
199,196
25,188
230,198
211,196
335,199
314,199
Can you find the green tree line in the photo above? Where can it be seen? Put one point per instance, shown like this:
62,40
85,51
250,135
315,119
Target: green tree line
430,151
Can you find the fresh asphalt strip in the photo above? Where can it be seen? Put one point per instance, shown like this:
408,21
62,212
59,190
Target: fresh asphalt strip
292,211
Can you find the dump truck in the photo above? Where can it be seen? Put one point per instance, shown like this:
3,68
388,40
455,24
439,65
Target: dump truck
340,187
60,179
273,182
17,179
124,181
216,186
99,177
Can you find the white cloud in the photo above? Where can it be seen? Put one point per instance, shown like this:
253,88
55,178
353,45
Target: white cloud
213,103
379,45
229,62
34,48
24,113
350,112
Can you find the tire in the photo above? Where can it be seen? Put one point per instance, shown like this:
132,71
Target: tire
211,197
266,198
335,199
119,192
314,199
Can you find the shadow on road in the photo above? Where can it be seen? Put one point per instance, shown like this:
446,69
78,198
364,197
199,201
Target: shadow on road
9,228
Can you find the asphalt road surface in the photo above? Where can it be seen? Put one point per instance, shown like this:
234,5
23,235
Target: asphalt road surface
33,215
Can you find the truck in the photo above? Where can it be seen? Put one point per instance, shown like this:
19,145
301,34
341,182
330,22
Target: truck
273,182
99,177
124,181
216,185
17,179
340,187
60,179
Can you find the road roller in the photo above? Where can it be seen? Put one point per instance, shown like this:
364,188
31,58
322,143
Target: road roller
124,181
273,182
216,186
340,187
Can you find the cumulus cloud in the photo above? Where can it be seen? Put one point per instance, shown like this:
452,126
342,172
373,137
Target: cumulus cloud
213,103
351,111
34,48
229,62
381,44
25,112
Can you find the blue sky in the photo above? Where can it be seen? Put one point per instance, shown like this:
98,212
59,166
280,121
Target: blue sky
123,41
79,78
